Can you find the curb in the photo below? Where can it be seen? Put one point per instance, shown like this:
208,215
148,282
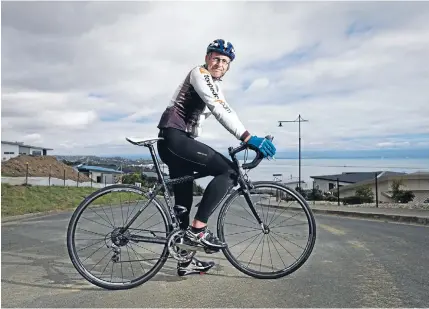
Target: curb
31,215
377,216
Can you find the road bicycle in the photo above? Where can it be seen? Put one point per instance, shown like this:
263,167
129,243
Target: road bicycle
123,236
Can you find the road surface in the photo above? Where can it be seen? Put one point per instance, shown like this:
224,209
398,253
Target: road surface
355,263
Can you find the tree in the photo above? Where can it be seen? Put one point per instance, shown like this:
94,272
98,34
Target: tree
365,194
401,196
301,191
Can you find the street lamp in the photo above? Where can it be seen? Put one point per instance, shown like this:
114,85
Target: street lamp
299,120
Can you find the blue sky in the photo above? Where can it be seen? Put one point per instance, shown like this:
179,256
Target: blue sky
358,71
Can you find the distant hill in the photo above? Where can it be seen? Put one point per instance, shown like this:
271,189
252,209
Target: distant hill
40,166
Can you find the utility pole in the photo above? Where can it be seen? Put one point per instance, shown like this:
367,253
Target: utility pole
299,120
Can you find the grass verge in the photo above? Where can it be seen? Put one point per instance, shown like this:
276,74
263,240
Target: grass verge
19,200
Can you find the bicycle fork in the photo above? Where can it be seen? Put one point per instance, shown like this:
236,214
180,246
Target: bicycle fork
246,193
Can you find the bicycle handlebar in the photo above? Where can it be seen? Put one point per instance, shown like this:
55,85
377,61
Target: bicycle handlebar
256,160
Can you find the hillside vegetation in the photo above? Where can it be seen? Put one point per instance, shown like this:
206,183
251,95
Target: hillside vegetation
19,200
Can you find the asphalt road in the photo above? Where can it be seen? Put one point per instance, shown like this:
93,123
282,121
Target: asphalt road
356,263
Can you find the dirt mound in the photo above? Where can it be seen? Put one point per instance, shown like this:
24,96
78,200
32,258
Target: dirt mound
40,166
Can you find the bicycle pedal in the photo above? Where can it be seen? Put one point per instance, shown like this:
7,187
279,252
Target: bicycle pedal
210,250
179,210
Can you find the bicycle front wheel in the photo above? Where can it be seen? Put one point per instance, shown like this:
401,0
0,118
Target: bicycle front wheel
106,255
289,231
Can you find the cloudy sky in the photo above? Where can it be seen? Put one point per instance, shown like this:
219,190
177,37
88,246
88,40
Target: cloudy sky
81,76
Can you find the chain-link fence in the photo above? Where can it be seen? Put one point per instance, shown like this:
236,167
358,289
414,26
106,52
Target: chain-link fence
54,176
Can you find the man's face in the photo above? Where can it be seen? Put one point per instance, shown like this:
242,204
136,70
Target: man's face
217,64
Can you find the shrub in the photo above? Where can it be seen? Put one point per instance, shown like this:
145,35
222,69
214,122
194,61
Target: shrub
365,193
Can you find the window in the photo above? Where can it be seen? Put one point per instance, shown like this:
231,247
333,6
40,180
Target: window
8,152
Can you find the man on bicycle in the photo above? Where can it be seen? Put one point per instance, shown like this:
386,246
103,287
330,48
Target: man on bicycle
195,99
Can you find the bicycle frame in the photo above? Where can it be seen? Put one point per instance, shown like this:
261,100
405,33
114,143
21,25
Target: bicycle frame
163,183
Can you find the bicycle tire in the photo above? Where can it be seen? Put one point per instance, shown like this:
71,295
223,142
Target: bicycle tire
310,243
72,250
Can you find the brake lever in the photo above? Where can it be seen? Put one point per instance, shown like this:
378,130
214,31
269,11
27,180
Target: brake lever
270,138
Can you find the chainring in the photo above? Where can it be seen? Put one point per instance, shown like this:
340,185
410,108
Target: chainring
176,252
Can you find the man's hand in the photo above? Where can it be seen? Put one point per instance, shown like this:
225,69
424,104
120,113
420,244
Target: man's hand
264,145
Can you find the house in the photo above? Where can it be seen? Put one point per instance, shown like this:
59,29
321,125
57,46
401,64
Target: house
99,174
326,183
417,182
14,149
294,184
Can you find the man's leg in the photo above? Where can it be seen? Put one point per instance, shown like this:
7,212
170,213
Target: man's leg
183,196
215,192
193,155
183,193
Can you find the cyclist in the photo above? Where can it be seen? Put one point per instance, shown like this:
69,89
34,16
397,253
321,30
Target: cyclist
196,98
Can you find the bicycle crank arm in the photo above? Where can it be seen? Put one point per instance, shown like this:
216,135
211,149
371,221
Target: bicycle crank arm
153,240
196,248
190,247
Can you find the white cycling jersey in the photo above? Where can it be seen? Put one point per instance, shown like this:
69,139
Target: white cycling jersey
196,98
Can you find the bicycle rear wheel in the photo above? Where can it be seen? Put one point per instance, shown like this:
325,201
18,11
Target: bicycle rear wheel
297,219
97,222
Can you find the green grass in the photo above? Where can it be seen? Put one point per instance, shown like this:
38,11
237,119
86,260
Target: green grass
19,200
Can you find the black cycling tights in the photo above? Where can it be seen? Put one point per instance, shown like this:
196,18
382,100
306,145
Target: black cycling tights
184,156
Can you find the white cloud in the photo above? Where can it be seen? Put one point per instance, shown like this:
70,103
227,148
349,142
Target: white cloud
78,86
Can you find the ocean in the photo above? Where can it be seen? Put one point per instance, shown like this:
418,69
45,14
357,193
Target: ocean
317,167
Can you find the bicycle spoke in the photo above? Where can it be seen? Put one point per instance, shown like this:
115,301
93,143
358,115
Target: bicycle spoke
269,250
244,240
274,227
135,253
263,243
243,226
283,247
247,246
285,208
288,240
91,232
286,220
101,260
94,252
255,250
248,219
95,222
277,250
108,221
266,194
128,252
91,245
239,233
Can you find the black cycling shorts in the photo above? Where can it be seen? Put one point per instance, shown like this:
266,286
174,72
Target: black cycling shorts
184,156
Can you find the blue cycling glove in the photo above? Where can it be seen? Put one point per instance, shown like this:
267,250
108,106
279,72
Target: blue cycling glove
264,145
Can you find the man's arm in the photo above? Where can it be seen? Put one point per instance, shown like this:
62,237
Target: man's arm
216,103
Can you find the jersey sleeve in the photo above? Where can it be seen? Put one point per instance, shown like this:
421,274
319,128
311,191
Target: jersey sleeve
203,84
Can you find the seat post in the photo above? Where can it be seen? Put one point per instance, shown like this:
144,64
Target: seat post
156,163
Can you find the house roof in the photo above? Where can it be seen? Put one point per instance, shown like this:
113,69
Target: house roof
386,176
349,177
24,145
97,169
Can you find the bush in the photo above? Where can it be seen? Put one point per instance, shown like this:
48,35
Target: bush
365,193
301,191
315,195
401,196
350,200
331,198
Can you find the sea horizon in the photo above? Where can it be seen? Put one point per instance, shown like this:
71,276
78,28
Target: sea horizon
289,168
